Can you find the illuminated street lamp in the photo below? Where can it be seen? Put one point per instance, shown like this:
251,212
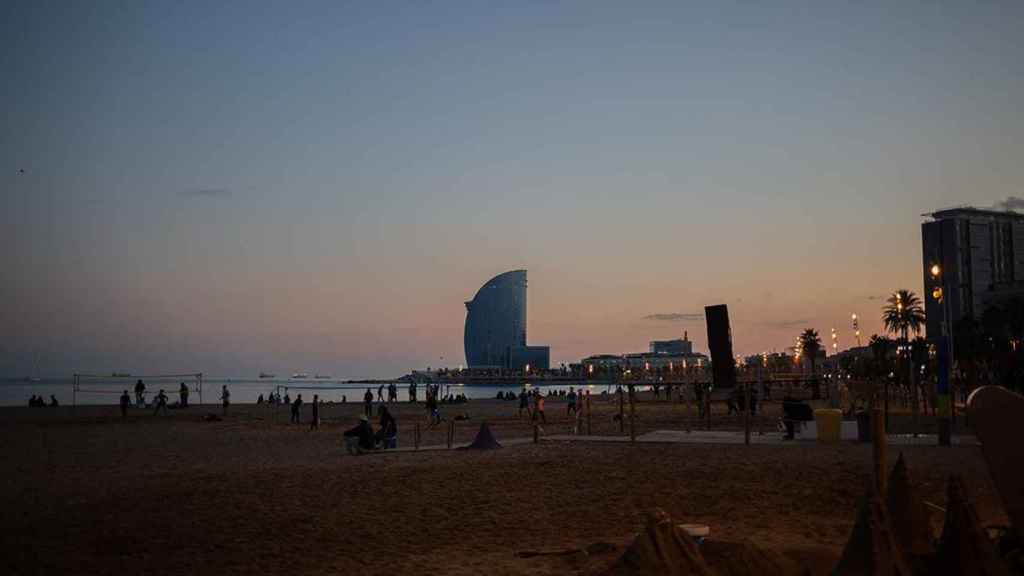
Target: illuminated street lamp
856,327
945,356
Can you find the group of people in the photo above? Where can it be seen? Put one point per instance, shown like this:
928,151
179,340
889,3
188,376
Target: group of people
362,438
38,402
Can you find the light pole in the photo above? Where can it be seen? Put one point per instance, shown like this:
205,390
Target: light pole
856,328
945,357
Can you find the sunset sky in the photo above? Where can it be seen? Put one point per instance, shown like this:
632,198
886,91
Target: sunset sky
231,187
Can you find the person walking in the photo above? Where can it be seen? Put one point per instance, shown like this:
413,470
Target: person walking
296,407
140,393
524,403
225,398
368,403
126,401
380,393
540,408
160,402
315,423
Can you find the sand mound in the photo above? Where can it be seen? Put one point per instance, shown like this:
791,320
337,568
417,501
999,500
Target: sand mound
484,439
872,547
965,547
910,518
661,548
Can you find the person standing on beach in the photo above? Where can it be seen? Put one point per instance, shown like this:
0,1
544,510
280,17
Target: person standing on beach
540,407
296,407
160,402
368,403
571,408
315,424
380,393
524,403
183,393
140,393
225,398
125,402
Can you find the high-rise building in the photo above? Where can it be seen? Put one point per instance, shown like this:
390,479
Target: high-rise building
679,346
979,256
495,333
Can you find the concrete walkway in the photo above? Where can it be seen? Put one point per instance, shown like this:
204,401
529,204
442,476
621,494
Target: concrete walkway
700,437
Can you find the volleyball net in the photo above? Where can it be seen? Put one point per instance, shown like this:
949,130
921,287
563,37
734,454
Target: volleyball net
142,389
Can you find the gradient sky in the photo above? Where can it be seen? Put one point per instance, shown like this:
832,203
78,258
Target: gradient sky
241,186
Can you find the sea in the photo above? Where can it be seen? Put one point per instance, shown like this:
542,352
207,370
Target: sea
107,390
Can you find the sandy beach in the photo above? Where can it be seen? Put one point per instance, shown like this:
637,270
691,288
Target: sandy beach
88,493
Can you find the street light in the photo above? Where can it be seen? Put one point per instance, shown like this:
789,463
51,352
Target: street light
945,356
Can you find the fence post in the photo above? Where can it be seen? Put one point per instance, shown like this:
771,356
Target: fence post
536,433
416,436
632,414
879,444
588,413
746,414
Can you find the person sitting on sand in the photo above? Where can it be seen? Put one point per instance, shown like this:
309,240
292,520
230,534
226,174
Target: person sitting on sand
126,400
53,401
160,403
360,438
296,409
32,401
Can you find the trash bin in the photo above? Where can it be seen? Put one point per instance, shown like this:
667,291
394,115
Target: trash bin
827,421
864,426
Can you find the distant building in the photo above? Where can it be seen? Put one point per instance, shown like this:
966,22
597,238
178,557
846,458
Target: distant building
680,346
495,331
536,357
645,361
981,258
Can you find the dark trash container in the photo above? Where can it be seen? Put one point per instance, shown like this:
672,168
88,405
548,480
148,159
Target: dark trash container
863,427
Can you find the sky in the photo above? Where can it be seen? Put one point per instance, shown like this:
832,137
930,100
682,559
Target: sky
232,187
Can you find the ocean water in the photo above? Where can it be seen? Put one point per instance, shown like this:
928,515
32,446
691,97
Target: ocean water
243,390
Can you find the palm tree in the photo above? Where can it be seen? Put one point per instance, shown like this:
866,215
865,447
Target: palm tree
901,314
810,345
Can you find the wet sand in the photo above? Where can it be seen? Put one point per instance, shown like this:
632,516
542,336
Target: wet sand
90,493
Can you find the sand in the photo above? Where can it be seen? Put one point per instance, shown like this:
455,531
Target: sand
88,493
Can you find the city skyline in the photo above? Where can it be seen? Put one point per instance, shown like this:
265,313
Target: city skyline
321,187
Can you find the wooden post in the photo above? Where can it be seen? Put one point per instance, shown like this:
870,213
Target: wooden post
632,414
707,406
536,433
622,415
588,413
746,414
416,436
879,452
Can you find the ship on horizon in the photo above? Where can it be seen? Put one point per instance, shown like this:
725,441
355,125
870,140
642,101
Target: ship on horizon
267,375
300,376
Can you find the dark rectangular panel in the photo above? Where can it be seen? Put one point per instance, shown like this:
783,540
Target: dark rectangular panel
720,344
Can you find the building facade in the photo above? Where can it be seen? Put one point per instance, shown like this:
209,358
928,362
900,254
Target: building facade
979,256
529,358
679,346
496,321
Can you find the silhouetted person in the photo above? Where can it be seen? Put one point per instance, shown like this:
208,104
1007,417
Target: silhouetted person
53,401
140,393
126,400
315,424
359,438
259,399
388,428
160,403
287,398
183,395
296,407
368,403
539,408
225,398
571,408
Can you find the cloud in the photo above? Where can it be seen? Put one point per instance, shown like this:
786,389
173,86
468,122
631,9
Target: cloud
206,193
675,317
786,323
1011,203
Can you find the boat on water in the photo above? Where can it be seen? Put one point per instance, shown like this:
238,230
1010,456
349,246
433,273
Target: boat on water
300,376
267,375
322,377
